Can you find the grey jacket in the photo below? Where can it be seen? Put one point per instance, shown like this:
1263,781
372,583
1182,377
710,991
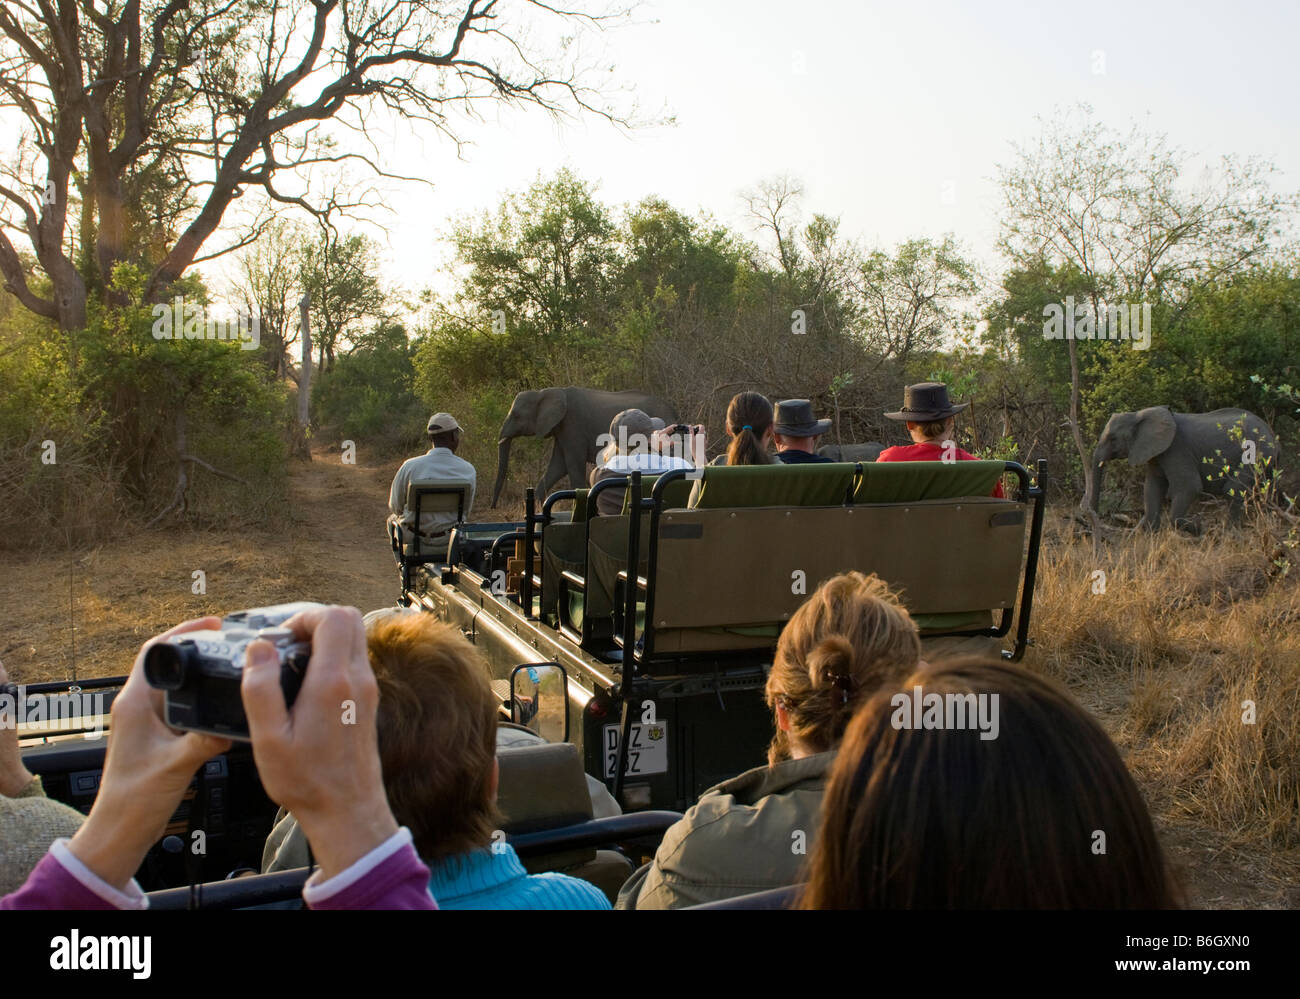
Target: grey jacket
751,833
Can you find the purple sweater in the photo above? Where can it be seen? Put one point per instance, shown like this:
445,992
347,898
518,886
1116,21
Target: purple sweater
390,877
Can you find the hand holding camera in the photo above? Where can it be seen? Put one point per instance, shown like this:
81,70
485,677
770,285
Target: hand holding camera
682,440
312,725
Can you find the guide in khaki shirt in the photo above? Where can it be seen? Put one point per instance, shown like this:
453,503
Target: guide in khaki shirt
438,463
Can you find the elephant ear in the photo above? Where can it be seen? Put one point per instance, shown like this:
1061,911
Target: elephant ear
1153,436
550,411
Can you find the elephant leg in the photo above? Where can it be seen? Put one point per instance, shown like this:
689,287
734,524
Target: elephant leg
554,471
575,462
1184,488
1154,496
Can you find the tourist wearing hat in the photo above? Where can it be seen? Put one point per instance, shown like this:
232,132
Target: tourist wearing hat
797,431
439,464
635,446
930,419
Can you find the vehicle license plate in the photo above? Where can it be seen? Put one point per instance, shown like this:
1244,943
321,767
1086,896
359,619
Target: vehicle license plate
646,754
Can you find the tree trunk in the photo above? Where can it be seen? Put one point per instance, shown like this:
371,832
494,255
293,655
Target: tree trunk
304,381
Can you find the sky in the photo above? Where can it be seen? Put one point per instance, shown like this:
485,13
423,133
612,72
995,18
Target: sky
893,116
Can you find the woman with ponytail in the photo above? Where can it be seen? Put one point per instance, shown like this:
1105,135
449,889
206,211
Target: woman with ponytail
753,832
749,425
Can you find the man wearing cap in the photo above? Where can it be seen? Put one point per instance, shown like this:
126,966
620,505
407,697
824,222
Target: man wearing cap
440,463
930,419
635,439
797,432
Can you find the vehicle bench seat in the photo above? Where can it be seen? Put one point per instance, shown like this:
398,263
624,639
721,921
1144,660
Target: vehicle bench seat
728,577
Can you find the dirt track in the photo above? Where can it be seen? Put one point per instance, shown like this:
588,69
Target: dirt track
89,611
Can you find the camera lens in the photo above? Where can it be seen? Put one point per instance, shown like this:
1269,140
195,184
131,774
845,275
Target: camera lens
165,665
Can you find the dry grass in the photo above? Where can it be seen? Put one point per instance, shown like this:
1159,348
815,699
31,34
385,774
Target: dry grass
1188,635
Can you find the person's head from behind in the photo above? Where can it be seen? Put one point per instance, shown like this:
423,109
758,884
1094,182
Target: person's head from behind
444,431
795,426
630,432
749,425
437,725
848,639
935,816
932,431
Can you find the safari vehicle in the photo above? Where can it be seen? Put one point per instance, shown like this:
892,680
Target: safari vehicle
650,678
658,626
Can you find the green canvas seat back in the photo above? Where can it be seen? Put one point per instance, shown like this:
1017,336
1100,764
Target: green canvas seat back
563,550
904,481
675,493
730,487
606,558
431,503
726,578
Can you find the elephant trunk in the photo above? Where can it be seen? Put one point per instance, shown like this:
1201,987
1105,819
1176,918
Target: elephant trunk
503,462
1094,494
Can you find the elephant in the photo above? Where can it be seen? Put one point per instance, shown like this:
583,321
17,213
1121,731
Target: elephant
575,418
1187,454
869,451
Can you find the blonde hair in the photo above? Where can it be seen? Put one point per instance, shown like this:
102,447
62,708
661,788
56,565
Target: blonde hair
850,638
437,733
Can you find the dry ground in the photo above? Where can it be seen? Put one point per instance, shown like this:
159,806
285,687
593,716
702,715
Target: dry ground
1163,680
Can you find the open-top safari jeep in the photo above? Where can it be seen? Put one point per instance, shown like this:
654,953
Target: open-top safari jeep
662,622
653,674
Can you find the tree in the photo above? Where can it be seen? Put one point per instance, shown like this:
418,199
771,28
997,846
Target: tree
910,300
338,272
1114,208
268,284
211,100
538,292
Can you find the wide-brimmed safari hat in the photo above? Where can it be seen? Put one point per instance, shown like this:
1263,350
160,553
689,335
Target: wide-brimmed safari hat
925,402
440,423
794,418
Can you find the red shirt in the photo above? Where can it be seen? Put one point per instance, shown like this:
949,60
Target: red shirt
930,452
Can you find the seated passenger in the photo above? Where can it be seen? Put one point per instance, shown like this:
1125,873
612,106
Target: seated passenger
637,445
1043,815
29,821
930,420
751,833
437,724
797,433
442,463
749,426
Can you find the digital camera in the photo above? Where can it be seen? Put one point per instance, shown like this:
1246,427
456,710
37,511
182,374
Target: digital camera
199,671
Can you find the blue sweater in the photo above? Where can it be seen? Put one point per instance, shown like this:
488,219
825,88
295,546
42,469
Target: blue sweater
495,879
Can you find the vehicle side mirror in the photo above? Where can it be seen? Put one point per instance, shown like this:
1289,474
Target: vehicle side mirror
539,700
